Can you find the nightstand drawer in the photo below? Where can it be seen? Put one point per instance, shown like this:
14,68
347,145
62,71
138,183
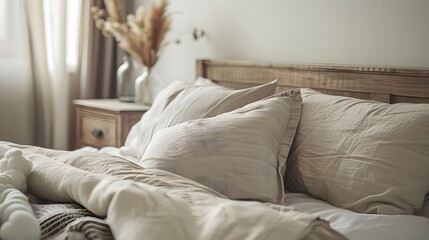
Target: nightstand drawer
105,122
98,129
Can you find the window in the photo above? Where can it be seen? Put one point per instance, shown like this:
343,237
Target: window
60,17
11,27
3,18
72,33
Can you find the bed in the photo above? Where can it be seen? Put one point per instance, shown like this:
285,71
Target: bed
183,162
387,85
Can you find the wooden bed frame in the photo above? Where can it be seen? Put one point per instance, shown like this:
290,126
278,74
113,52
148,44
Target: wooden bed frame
390,85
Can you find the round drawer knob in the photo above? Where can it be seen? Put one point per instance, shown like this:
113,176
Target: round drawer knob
97,132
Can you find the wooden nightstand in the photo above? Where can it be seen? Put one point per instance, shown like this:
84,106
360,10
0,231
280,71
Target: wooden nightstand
105,122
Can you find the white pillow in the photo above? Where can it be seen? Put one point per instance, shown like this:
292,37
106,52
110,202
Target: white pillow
193,103
129,150
200,81
424,211
242,154
361,155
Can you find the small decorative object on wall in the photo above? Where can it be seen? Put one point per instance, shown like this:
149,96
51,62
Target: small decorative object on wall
141,35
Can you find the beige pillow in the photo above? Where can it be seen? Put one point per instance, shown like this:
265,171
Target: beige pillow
200,81
159,104
361,155
196,102
241,154
424,211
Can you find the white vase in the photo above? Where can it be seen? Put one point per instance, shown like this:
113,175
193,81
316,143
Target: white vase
142,88
125,81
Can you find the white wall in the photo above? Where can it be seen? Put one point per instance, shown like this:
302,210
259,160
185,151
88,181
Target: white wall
364,32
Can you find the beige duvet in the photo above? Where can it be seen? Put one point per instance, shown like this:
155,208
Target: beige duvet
155,204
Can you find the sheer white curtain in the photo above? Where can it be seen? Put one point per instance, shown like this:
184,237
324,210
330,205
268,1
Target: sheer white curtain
38,87
16,87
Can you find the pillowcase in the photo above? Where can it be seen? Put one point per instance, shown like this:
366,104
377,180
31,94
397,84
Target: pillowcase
241,154
164,97
200,81
365,156
157,111
195,102
424,211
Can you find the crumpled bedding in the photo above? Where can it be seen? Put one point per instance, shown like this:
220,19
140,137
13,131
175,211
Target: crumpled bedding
357,226
156,204
67,221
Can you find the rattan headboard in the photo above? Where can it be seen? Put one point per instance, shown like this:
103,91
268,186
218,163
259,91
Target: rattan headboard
390,85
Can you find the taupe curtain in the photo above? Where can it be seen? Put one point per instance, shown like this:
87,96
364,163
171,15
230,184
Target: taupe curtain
98,78
57,82
41,77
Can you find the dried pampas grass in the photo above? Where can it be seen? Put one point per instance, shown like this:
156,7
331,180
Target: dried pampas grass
142,35
115,10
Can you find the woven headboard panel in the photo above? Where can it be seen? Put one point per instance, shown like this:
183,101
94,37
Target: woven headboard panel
390,85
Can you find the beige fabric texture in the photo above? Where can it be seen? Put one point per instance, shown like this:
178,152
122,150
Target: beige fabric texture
193,103
241,154
424,210
155,204
361,155
159,104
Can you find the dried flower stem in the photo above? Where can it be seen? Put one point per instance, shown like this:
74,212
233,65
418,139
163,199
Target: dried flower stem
142,35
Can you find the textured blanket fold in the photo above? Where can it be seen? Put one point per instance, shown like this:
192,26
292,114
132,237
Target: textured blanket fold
156,204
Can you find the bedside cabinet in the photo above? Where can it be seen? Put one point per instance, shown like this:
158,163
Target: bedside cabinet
105,122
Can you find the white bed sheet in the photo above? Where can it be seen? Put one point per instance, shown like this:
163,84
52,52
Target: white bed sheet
362,226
